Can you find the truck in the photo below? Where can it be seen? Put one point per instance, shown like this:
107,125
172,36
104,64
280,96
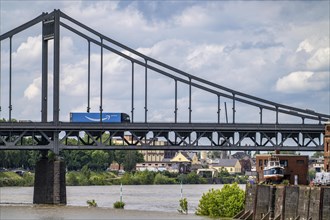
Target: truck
107,117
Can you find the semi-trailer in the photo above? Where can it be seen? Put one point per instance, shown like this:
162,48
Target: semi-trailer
105,117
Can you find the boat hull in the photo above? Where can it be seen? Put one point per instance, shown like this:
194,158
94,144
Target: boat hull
274,174
274,177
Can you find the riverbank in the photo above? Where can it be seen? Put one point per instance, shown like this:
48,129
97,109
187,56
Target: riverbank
86,177
14,211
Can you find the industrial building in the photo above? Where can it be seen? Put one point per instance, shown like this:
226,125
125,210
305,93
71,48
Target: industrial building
295,167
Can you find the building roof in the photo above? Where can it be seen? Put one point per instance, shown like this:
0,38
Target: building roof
181,155
186,155
226,163
240,155
281,155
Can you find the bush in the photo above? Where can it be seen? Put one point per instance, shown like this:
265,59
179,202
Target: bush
138,178
97,180
191,178
161,179
91,203
226,202
119,205
12,179
28,179
183,206
71,179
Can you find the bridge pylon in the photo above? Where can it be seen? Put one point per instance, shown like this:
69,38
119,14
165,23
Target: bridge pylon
50,185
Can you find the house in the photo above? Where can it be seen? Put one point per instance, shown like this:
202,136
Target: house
233,166
155,160
184,160
114,166
316,164
246,165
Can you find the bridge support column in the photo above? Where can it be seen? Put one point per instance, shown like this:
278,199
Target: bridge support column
49,184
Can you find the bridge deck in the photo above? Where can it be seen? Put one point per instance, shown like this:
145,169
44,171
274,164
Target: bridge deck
174,136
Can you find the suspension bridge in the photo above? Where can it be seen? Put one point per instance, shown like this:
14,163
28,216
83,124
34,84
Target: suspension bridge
228,134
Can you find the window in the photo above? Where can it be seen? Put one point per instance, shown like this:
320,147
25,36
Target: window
260,163
300,162
265,162
284,163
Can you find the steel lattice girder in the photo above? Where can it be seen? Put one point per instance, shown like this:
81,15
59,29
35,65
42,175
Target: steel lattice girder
192,136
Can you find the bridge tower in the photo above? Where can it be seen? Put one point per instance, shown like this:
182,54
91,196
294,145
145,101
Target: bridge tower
49,185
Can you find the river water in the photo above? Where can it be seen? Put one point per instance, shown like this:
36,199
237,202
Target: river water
144,201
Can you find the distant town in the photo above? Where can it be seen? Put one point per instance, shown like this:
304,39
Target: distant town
298,169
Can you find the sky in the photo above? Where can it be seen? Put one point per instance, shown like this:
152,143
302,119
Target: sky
277,51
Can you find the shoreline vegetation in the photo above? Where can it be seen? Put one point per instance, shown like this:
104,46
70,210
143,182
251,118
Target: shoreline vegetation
86,177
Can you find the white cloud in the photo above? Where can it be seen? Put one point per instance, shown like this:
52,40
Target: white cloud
28,54
320,60
33,90
194,16
204,55
304,81
305,46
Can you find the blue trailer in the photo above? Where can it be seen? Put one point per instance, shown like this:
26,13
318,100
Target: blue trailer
107,117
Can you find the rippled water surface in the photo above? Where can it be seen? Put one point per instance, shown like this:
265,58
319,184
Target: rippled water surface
162,199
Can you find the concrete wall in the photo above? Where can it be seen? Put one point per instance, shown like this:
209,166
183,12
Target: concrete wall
250,196
279,200
291,199
326,204
303,202
314,203
262,201
288,202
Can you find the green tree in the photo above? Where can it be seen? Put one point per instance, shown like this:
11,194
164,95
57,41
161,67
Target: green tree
132,158
100,159
318,154
128,158
120,157
86,171
311,174
226,202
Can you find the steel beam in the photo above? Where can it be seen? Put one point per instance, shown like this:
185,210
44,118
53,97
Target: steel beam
56,73
25,26
44,77
10,107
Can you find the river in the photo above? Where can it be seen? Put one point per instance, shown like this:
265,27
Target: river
144,201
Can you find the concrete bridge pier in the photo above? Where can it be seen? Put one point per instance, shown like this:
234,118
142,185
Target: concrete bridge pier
49,183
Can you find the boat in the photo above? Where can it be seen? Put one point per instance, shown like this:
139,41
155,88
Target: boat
273,172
